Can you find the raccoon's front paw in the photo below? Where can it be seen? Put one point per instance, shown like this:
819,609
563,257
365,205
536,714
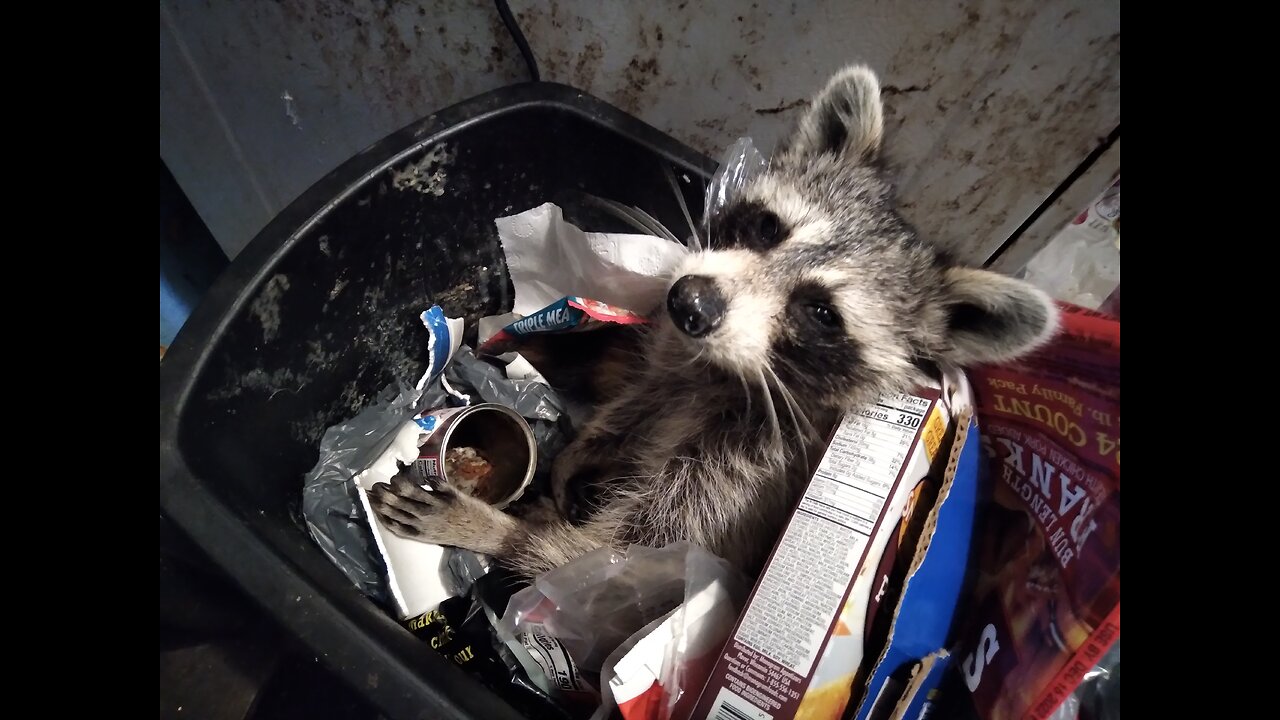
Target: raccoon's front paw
440,517
413,512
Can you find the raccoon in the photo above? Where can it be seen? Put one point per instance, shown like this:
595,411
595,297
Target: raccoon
813,297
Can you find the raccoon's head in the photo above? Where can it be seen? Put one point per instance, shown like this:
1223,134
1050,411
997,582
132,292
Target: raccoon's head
812,280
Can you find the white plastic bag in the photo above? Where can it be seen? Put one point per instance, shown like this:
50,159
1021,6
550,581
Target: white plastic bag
1081,264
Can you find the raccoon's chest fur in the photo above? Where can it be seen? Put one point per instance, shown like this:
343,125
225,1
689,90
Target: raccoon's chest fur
693,454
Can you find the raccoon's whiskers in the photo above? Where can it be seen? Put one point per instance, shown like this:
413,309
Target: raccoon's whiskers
773,413
797,413
690,362
803,434
694,242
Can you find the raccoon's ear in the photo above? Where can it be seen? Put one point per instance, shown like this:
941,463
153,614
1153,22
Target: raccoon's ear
845,119
994,318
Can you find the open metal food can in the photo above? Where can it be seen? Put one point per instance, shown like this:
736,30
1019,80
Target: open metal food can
486,451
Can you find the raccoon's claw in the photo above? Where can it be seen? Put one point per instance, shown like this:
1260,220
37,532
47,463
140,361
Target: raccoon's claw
441,517
412,512
404,486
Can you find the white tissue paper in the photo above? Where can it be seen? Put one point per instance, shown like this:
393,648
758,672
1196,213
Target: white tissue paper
548,258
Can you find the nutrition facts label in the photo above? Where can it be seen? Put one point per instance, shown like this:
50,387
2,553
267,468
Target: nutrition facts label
839,509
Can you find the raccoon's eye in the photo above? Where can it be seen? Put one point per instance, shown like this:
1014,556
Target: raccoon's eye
823,314
768,228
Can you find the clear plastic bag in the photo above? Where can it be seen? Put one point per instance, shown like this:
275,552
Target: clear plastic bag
1081,264
740,164
657,673
606,599
1098,695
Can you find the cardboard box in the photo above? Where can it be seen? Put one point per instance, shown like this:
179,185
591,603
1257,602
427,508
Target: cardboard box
799,647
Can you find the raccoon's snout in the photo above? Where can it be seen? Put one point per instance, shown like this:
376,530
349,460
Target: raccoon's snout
696,305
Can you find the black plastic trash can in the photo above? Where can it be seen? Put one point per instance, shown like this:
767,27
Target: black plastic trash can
319,313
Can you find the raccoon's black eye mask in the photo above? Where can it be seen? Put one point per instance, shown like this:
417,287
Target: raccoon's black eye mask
749,226
812,305
769,227
823,314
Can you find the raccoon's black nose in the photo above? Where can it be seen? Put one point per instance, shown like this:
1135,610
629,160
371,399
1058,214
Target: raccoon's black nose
696,305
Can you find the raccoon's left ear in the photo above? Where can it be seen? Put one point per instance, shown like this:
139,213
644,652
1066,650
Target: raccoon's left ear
994,318
845,119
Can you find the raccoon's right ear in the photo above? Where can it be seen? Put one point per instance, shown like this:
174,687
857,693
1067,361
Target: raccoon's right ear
846,119
993,318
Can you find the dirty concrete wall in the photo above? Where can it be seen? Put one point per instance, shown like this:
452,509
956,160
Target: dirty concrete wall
992,104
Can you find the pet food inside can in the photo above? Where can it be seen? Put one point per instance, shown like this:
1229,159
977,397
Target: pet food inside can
467,469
